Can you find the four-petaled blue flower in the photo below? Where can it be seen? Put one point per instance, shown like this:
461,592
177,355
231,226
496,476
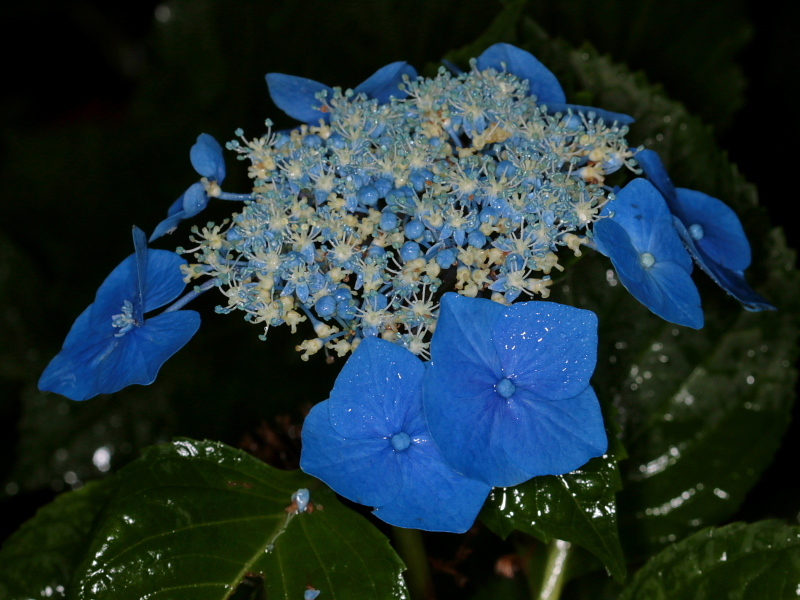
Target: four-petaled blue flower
297,96
710,230
639,237
507,394
541,81
111,344
207,160
369,441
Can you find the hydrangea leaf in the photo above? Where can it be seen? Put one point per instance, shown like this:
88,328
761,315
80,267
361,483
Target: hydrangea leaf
739,562
38,560
577,507
193,519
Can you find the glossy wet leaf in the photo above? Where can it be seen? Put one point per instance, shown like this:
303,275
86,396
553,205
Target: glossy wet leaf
577,507
193,519
38,560
736,562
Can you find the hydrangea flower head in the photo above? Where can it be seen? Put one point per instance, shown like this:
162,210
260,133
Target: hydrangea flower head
112,344
361,216
639,237
369,441
711,231
507,394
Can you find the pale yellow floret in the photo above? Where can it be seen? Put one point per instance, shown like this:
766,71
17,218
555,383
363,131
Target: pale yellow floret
539,286
292,318
340,346
574,242
309,348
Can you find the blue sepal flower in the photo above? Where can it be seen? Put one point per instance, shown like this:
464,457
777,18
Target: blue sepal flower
297,96
710,230
383,84
207,160
507,394
369,441
206,157
542,83
639,237
112,344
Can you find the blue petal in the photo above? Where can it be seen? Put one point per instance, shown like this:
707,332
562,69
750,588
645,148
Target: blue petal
366,471
724,240
206,157
554,437
461,332
164,281
296,96
465,419
140,251
608,116
383,84
103,364
195,199
175,207
120,285
733,282
650,161
548,348
434,497
505,57
612,239
378,392
169,224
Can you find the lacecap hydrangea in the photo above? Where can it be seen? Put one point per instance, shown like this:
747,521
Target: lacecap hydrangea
403,220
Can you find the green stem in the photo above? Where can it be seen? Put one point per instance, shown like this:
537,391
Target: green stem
555,570
412,550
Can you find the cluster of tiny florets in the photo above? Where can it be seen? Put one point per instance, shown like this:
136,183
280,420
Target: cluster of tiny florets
360,224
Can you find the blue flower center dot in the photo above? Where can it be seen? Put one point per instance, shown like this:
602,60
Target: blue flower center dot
505,388
696,231
647,259
400,441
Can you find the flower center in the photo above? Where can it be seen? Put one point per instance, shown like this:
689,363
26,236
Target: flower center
647,259
696,231
124,320
400,441
505,388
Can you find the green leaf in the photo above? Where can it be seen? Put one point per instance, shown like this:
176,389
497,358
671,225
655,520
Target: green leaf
194,519
577,507
38,560
702,412
737,562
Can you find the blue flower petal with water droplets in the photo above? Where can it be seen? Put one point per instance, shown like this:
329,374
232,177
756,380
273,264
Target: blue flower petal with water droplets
639,237
541,81
371,444
711,231
499,372
97,357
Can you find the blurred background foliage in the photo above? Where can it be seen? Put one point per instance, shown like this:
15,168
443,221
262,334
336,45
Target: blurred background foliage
95,138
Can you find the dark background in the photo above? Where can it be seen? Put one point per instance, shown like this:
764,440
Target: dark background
102,101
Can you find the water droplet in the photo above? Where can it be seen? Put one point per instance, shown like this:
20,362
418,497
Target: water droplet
102,458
